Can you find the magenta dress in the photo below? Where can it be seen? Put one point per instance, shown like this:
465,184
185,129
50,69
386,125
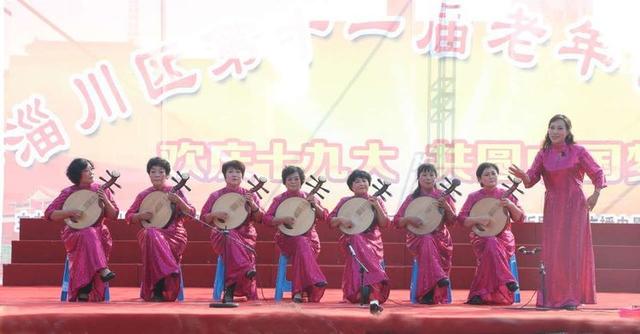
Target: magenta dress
432,251
492,254
240,255
567,250
369,249
88,249
302,250
161,249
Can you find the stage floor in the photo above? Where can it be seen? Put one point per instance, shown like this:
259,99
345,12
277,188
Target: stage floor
37,309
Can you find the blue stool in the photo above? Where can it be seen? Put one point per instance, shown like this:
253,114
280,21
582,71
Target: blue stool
514,271
218,281
65,284
414,283
181,291
282,284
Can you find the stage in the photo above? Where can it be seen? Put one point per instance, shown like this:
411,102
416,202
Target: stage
38,309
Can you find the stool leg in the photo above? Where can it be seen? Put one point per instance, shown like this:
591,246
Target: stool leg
414,282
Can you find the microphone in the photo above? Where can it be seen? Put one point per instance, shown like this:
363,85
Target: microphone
523,250
351,250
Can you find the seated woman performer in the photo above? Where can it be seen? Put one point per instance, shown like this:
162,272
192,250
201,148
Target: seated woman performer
87,249
493,282
367,247
238,247
433,251
302,250
161,248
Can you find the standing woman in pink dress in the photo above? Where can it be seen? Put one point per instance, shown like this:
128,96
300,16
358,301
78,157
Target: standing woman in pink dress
367,247
433,251
302,250
493,282
567,250
88,249
239,246
161,248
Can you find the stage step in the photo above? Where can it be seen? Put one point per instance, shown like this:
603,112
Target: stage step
201,275
527,233
200,252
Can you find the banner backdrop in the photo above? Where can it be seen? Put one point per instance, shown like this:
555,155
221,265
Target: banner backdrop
329,86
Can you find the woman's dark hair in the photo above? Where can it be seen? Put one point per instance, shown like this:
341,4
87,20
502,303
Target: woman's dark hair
291,170
357,173
546,144
484,166
429,168
74,171
232,164
157,161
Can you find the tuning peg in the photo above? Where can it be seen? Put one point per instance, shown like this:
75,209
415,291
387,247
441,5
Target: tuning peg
325,190
313,178
265,190
447,179
442,185
309,184
102,179
457,192
504,185
319,195
375,186
117,185
251,183
514,196
453,199
520,191
383,199
187,187
259,196
174,179
388,193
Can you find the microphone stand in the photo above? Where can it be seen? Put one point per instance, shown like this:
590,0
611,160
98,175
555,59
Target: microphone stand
224,304
541,270
363,269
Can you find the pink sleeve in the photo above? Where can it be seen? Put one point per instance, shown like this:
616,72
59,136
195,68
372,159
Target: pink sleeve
268,217
192,209
401,211
593,170
450,220
324,214
206,208
384,210
517,203
135,207
335,211
535,171
57,203
466,208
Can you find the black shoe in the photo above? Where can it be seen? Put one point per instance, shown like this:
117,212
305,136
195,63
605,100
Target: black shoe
513,286
83,292
321,284
297,299
158,290
444,282
375,307
475,300
427,298
83,297
251,274
364,294
228,293
570,307
106,278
